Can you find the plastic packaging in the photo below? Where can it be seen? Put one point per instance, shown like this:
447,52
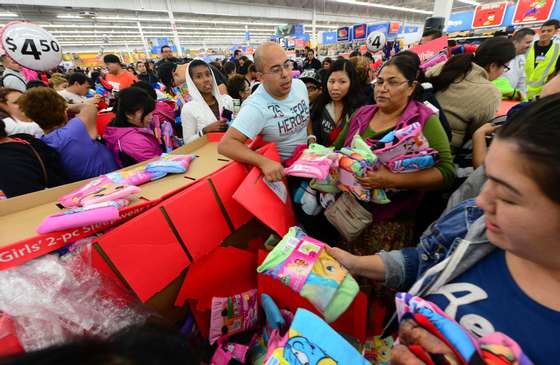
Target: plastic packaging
55,299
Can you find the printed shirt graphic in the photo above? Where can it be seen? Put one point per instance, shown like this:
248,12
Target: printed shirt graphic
486,299
283,122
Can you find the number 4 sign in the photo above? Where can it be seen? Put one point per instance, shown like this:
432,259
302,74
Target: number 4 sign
376,41
31,46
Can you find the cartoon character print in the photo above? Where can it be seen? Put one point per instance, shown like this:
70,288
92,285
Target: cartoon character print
300,351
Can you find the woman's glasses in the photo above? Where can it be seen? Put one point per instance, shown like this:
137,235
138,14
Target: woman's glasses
389,84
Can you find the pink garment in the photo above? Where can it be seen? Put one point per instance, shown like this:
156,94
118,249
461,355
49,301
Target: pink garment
84,216
30,74
138,143
313,168
414,112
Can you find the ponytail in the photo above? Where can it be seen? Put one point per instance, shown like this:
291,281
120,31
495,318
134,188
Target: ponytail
498,51
454,70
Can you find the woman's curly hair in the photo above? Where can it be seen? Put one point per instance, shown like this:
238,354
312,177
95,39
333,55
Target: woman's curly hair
44,106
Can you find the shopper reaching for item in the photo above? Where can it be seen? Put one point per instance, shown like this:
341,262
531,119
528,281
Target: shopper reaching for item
278,109
81,155
503,254
128,135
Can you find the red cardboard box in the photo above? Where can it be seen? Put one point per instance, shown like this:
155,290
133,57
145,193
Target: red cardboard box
224,272
259,199
146,253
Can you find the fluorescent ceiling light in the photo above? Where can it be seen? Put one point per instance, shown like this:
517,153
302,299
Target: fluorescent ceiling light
65,16
470,2
8,14
383,6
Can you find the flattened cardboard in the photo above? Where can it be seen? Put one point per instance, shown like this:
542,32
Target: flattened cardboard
259,199
39,245
196,216
24,213
146,253
353,322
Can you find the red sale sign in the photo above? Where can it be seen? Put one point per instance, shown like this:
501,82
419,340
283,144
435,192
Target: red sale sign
428,50
394,27
489,15
532,11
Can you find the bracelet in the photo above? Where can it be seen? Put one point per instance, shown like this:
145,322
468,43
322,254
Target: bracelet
309,137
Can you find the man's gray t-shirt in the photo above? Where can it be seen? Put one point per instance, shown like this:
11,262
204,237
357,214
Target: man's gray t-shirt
283,122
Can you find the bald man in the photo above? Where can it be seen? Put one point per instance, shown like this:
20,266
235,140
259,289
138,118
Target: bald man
278,110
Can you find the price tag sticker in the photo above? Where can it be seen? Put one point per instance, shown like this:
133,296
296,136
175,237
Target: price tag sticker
31,46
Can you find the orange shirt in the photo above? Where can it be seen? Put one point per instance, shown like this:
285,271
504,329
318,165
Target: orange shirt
122,81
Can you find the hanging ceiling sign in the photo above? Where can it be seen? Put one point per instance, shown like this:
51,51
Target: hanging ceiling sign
489,15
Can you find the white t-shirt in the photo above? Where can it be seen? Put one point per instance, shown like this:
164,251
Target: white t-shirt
283,122
14,126
72,98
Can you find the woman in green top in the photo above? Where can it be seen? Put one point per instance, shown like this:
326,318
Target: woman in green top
396,106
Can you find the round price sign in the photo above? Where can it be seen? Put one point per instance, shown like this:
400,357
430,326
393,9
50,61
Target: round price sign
31,46
376,41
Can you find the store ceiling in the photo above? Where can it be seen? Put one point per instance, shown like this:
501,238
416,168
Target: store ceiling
89,25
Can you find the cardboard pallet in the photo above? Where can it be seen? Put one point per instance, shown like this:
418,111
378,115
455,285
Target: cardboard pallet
20,216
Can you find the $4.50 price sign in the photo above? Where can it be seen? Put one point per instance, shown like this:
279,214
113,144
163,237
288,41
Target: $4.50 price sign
31,46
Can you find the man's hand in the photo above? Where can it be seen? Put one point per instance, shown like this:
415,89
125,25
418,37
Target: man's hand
272,170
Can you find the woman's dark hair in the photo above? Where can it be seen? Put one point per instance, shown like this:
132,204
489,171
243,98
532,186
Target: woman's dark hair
230,68
535,131
243,70
235,84
130,101
408,64
3,133
35,83
196,63
165,73
352,101
497,51
146,87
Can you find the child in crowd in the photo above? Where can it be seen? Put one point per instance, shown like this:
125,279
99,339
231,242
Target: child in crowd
128,135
